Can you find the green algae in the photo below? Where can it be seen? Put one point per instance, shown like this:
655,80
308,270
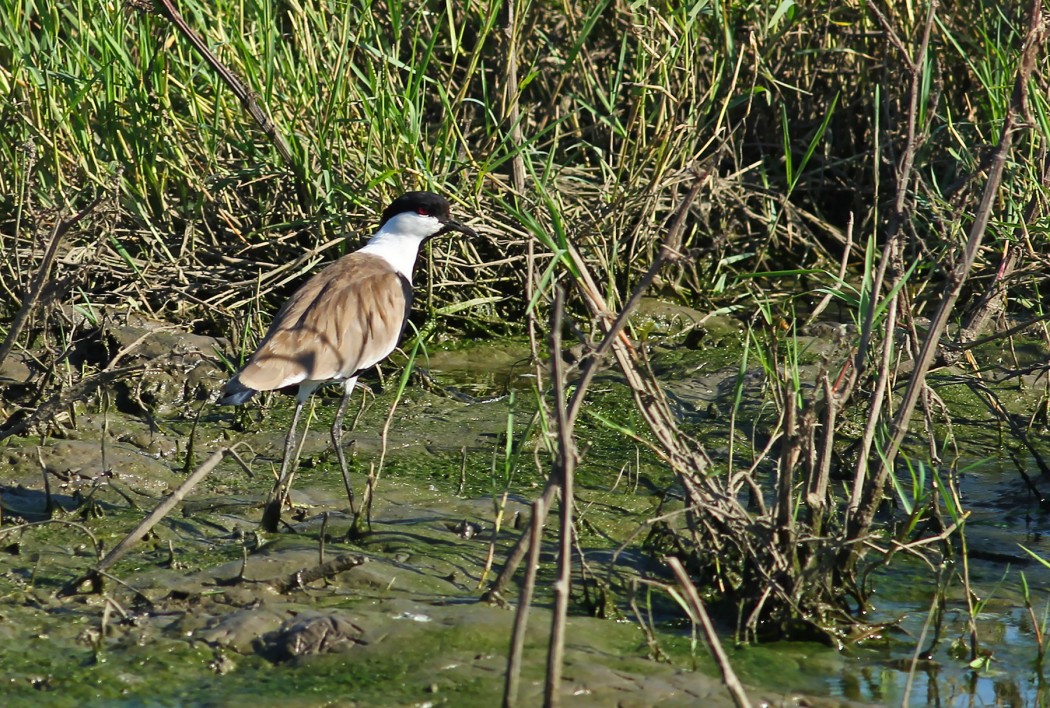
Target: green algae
197,596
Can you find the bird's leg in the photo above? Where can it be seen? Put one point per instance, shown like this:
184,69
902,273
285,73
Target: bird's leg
272,510
337,438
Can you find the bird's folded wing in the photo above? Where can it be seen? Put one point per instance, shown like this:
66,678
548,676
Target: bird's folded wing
346,318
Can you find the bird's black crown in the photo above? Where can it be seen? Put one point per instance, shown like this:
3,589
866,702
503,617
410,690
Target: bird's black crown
423,203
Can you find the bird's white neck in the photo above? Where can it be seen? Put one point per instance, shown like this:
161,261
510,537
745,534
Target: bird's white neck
398,241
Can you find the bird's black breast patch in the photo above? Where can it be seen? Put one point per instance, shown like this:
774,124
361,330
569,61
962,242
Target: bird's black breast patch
406,288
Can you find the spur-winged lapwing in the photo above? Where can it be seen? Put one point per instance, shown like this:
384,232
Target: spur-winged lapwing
345,319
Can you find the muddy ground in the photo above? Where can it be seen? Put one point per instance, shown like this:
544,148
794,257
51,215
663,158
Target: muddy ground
208,610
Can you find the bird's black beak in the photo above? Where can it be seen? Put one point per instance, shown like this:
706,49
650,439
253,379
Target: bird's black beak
453,225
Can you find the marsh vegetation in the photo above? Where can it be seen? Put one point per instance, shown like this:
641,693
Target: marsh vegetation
769,276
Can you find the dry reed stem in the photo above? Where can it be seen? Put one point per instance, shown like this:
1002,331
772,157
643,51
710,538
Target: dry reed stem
120,550
1014,122
363,516
511,96
684,455
785,486
700,616
521,616
890,257
521,546
249,101
564,472
613,334
992,303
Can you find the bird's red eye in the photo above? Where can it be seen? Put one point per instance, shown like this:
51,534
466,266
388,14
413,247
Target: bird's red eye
423,211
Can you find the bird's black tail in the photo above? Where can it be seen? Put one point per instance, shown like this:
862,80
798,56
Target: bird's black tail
234,393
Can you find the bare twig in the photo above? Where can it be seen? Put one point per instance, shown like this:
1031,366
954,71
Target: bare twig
300,578
499,585
521,617
1014,122
891,254
736,690
613,334
362,518
789,452
511,95
993,301
247,97
564,471
37,286
843,269
674,446
136,535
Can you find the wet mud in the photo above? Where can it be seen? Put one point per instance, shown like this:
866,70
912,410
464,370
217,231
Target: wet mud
206,609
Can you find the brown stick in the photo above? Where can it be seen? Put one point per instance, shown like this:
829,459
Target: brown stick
511,95
713,644
37,285
785,480
651,401
993,301
521,617
520,546
564,469
1034,40
362,518
817,484
247,97
300,578
136,535
890,255
686,457
893,246
668,250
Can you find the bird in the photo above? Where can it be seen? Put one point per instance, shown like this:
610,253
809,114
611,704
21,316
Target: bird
345,319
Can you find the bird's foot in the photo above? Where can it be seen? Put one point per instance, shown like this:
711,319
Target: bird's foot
271,517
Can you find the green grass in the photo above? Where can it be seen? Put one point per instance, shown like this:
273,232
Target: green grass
617,100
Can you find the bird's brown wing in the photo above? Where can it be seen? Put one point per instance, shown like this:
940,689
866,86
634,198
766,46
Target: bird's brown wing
346,318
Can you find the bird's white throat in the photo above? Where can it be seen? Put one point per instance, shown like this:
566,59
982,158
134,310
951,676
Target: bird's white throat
398,241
